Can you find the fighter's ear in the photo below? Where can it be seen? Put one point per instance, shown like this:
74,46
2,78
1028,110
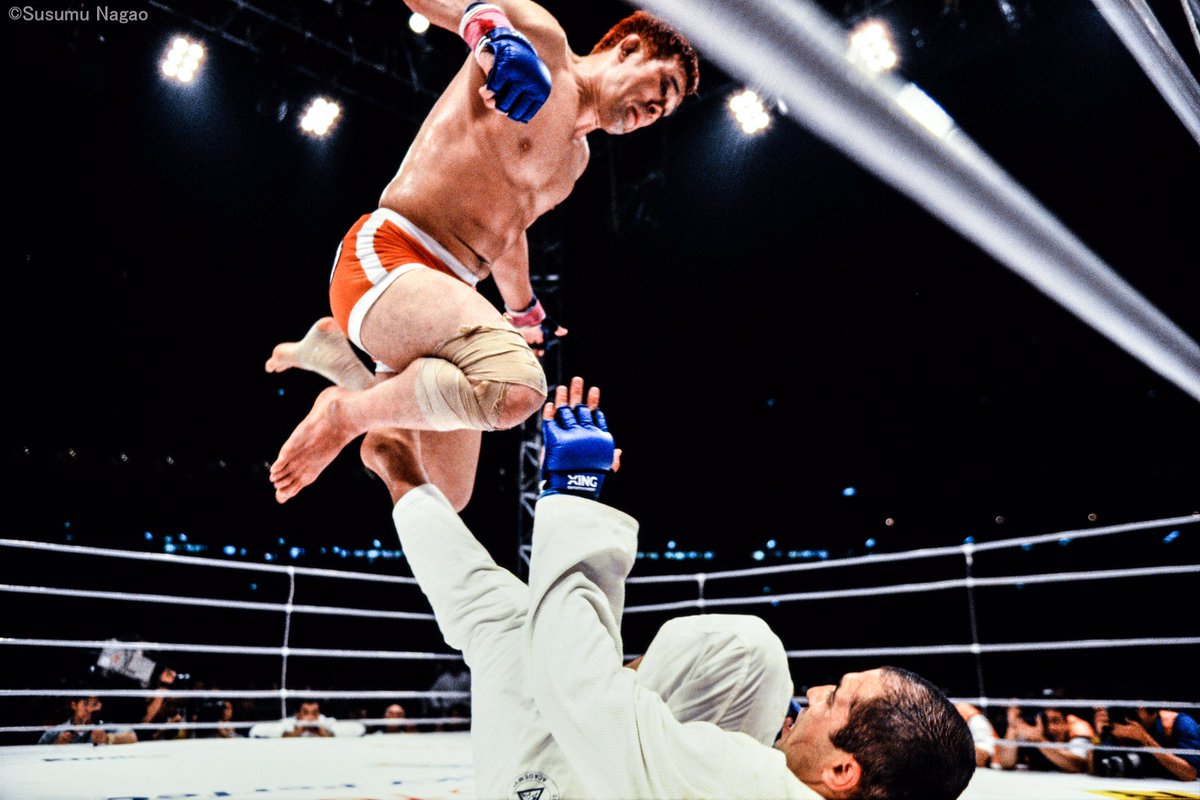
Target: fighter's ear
628,46
842,774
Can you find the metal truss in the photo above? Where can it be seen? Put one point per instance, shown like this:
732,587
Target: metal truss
353,49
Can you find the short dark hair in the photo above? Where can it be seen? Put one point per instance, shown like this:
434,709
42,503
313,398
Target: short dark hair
911,743
662,41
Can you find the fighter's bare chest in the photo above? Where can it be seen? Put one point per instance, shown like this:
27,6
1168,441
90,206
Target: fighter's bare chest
546,163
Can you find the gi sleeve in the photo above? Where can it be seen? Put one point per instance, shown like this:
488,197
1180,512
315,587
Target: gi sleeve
476,601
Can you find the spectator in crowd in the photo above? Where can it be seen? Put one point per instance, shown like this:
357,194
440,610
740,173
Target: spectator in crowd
84,712
394,714
163,709
1145,726
982,732
307,721
1041,733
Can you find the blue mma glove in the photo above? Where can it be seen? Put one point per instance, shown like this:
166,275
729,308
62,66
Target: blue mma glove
579,452
519,78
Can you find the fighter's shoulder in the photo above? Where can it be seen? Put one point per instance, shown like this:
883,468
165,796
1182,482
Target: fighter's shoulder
529,17
536,23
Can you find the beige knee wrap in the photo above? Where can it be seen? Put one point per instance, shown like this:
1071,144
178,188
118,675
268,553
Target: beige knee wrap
464,383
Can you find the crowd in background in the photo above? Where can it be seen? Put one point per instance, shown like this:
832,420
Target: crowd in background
1097,741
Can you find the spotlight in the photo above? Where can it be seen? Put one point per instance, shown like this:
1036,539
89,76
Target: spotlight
749,111
182,60
418,23
871,47
319,116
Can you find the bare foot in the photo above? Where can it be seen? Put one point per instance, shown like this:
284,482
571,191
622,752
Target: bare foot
316,441
326,351
392,454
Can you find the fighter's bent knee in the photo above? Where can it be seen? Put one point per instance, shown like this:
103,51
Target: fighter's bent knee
483,379
520,403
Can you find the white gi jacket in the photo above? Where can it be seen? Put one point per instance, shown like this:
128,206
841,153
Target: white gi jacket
718,673
619,737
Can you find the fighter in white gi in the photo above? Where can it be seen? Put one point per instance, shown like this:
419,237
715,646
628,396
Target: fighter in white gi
730,670
882,734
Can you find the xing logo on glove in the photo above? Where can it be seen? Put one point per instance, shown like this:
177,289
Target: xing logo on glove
588,482
579,452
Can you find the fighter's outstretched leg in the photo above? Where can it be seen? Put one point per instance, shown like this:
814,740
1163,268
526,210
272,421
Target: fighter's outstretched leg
450,457
461,367
326,351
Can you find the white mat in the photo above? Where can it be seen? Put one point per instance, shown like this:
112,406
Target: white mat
430,766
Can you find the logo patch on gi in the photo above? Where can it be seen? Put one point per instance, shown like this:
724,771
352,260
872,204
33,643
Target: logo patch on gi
533,785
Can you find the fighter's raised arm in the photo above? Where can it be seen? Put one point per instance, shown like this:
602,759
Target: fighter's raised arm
448,14
504,38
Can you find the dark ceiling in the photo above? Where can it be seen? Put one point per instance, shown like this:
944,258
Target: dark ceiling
770,324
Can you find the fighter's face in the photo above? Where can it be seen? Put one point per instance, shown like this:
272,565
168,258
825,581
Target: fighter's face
637,91
807,743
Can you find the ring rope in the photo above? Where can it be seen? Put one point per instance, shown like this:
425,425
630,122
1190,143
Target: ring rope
171,558
210,602
1007,647
1058,702
1191,18
1092,745
928,552
180,647
242,694
187,726
1140,32
909,588
287,632
797,52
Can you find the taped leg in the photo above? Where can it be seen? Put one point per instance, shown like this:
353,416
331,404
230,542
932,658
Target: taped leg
483,378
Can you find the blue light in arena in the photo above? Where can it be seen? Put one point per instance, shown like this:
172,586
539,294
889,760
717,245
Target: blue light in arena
281,392
183,537
849,491
268,557
869,543
770,544
671,545
242,552
148,536
254,587
295,552
758,555
67,524
822,554
375,543
969,540
1027,547
1063,542
230,550
168,548
281,541
1170,537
